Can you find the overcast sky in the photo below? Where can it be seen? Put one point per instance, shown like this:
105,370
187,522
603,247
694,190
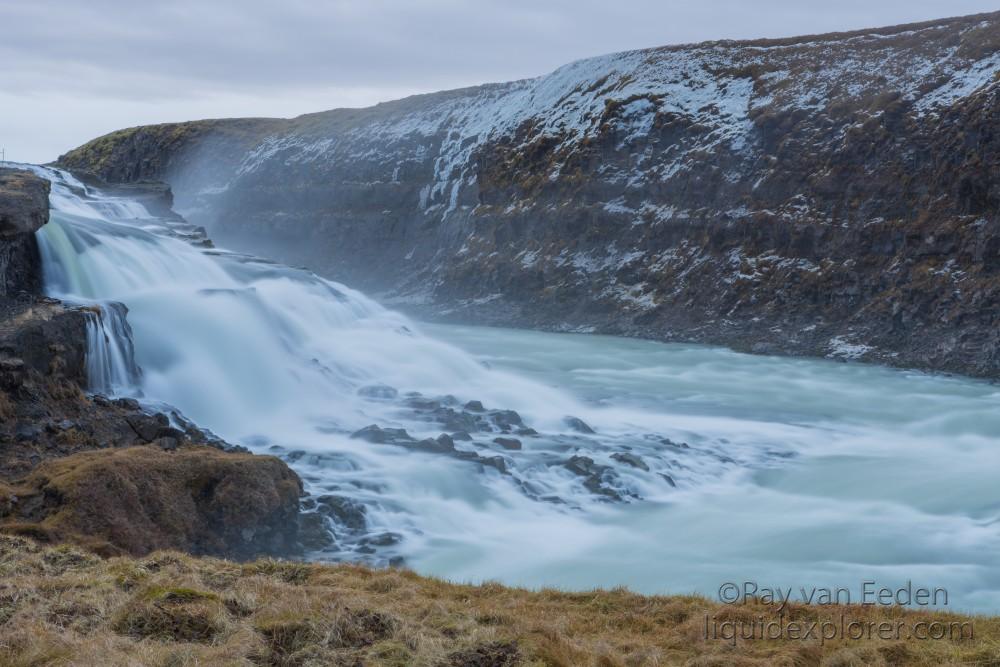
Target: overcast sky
73,70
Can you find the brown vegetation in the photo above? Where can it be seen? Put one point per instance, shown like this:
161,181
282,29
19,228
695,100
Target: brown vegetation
63,606
138,499
112,157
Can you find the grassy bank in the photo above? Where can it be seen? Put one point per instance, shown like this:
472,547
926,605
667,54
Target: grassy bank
63,606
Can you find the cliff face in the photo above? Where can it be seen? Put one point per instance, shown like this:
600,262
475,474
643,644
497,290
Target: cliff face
24,208
831,195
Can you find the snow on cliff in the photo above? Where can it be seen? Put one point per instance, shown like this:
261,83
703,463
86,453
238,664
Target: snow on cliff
719,86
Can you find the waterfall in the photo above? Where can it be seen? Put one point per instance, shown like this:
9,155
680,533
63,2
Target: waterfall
285,362
111,367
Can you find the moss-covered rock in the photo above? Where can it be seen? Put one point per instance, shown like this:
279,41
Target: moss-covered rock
139,499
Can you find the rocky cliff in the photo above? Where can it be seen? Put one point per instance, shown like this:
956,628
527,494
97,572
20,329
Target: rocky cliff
111,474
826,195
24,208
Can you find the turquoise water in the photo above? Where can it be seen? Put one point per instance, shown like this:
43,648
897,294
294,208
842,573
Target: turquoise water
877,474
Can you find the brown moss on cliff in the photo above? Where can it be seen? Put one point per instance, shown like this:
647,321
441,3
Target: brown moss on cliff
150,152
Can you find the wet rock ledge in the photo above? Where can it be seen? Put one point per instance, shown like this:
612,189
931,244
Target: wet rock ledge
105,473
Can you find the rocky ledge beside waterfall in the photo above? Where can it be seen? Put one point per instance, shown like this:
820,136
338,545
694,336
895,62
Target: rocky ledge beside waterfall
24,208
102,472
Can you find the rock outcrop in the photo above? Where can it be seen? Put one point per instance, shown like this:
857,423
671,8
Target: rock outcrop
830,195
138,499
24,208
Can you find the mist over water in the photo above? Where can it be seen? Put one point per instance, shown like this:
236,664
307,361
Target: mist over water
787,472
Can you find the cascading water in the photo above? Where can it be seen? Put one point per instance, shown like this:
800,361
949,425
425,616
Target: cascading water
111,367
283,361
706,466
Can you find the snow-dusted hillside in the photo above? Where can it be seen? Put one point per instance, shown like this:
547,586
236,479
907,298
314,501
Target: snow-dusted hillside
721,87
811,195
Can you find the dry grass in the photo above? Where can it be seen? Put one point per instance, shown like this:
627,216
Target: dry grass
63,606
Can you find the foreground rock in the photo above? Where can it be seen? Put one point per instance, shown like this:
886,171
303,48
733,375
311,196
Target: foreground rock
829,195
138,499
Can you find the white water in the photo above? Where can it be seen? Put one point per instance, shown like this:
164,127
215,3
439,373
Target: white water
798,472
111,367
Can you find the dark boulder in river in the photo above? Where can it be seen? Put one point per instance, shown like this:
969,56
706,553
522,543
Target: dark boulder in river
345,511
508,443
578,425
630,460
382,391
381,436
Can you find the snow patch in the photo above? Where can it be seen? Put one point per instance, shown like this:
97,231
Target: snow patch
842,349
